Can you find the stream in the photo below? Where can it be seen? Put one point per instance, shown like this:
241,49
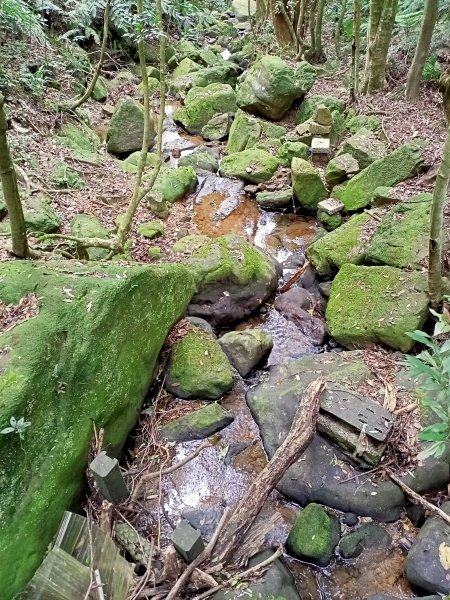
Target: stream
221,474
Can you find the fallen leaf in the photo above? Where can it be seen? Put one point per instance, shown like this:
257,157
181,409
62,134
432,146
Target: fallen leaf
390,397
444,555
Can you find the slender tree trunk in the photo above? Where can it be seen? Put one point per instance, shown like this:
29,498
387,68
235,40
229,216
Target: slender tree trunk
301,27
437,225
444,83
338,30
356,46
98,68
11,190
283,27
379,33
430,15
319,54
312,28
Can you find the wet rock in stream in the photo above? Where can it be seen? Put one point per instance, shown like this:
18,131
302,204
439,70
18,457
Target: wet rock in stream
245,349
197,425
369,535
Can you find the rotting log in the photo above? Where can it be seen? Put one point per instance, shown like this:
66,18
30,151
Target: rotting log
297,440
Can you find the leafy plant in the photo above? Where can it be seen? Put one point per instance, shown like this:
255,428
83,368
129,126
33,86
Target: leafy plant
431,70
34,82
432,366
16,16
17,426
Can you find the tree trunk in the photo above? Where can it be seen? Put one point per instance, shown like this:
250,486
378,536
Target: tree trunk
338,30
11,190
430,15
312,28
356,45
283,27
444,83
296,441
437,225
379,33
319,54
301,27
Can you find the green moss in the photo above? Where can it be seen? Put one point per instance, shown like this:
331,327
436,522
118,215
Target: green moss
289,150
87,226
244,133
344,245
202,104
198,367
64,177
129,165
376,304
176,183
252,165
39,214
154,253
185,67
308,186
127,128
87,358
364,147
403,235
190,243
314,535
272,130
82,140
100,91
329,222
388,171
308,106
198,424
151,229
355,122
340,168
153,85
200,161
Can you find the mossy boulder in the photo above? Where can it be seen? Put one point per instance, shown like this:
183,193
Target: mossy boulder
208,57
197,425
217,128
368,536
365,147
153,85
202,104
151,229
186,49
271,85
82,140
402,237
185,67
290,150
234,278
152,72
200,160
252,165
280,200
190,244
174,184
130,164
272,130
100,91
385,195
354,122
222,73
370,305
244,133
85,359
340,168
126,129
388,171
308,186
314,535
309,105
198,367
39,214
89,226
329,222
63,176
245,349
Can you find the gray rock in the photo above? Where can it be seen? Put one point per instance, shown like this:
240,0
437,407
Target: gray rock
275,200
423,566
369,535
325,288
245,349
289,302
294,261
200,161
365,148
294,305
350,519
217,128
204,519
277,582
385,597
201,324
197,425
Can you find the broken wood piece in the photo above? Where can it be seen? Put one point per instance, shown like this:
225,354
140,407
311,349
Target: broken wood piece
297,440
287,286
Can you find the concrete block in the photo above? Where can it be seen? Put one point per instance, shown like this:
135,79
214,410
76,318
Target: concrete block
108,478
187,541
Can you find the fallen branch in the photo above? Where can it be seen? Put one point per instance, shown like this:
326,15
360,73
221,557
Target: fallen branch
181,581
418,498
244,575
149,476
297,440
287,286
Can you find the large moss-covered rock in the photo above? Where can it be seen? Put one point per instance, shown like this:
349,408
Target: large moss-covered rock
89,226
402,237
271,86
202,104
82,140
217,128
340,168
376,304
314,535
290,150
185,67
39,214
252,165
198,367
308,186
234,278
200,160
309,105
221,73
100,91
354,122
86,358
365,147
174,184
244,133
346,244
198,424
275,200
127,128
388,171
